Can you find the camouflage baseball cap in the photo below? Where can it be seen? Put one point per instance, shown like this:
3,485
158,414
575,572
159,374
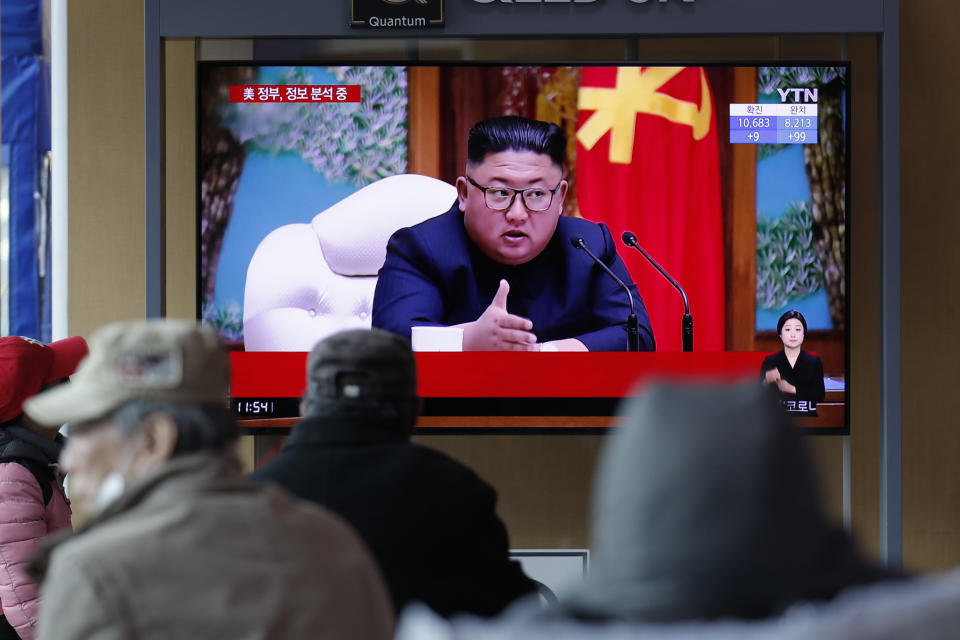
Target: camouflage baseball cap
165,360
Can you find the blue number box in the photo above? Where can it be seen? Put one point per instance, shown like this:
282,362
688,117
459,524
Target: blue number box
797,136
753,129
754,123
766,136
753,136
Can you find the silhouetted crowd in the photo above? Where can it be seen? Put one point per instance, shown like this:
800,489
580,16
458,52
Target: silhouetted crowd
705,507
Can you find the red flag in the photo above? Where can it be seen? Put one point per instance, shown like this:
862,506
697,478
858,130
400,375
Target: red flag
647,162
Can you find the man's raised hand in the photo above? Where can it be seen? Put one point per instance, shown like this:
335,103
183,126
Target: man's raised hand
498,330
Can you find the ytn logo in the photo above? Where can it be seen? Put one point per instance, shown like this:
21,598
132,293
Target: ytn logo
799,95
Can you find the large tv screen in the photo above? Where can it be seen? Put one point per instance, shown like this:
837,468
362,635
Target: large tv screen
732,179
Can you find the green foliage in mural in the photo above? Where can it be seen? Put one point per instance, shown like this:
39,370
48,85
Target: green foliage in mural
825,167
765,151
227,319
788,266
356,143
770,78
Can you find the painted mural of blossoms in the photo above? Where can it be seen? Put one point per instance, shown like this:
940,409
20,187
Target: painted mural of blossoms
826,168
788,266
356,143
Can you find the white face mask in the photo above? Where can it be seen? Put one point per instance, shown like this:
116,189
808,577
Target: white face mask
110,489
115,483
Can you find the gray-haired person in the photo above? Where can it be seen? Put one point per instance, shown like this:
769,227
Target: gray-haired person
178,544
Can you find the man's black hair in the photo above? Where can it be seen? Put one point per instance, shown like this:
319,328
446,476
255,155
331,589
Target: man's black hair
513,133
793,314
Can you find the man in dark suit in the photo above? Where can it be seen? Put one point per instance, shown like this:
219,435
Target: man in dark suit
500,263
429,521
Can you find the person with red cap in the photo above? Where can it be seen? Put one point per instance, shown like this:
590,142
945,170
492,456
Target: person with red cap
32,501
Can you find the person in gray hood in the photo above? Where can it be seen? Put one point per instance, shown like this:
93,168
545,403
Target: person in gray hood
705,507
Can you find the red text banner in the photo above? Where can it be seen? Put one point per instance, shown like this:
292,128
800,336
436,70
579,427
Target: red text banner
509,375
254,93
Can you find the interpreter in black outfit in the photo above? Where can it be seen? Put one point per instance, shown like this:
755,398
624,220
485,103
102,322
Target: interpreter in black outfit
796,373
430,521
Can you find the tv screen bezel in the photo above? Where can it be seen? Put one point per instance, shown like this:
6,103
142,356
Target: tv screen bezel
502,409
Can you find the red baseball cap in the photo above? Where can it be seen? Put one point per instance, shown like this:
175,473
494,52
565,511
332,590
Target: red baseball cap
27,365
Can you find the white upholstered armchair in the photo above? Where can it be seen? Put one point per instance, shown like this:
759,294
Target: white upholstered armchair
306,281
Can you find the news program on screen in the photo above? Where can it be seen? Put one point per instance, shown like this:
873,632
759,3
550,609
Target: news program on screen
731,179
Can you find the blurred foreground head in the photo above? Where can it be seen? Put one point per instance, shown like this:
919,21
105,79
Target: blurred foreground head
363,373
148,391
705,506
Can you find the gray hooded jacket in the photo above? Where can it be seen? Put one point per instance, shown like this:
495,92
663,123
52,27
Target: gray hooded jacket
705,506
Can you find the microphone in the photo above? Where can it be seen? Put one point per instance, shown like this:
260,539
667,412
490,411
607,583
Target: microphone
633,325
686,327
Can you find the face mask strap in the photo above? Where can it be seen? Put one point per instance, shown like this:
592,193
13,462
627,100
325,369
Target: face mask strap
115,482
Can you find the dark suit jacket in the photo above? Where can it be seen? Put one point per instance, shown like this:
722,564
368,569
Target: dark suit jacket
429,521
806,375
435,275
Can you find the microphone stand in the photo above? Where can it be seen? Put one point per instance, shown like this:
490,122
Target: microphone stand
633,324
633,332
686,324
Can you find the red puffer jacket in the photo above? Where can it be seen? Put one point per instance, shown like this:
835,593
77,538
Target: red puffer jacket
24,519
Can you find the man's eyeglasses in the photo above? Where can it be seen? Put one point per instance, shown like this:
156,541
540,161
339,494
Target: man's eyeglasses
501,198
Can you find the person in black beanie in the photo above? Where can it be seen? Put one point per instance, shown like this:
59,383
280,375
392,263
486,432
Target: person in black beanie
429,520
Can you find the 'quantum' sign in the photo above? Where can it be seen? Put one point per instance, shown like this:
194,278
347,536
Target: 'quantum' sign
396,14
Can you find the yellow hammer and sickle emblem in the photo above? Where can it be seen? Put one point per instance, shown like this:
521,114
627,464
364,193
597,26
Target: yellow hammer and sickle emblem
616,109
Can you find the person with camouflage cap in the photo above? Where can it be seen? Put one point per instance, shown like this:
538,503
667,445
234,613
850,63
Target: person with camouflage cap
178,544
